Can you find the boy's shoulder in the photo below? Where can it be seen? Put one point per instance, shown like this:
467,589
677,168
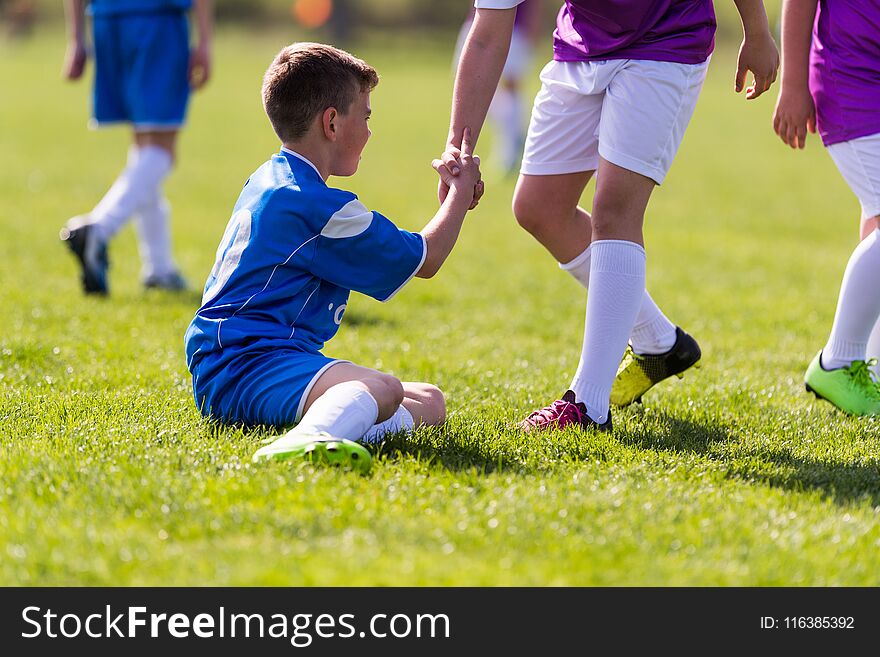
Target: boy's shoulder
289,184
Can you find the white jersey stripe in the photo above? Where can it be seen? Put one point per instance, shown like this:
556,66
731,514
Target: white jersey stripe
350,220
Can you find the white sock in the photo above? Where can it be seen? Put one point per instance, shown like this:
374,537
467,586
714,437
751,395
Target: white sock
117,189
345,411
873,351
579,267
652,332
154,237
138,183
858,306
402,420
617,286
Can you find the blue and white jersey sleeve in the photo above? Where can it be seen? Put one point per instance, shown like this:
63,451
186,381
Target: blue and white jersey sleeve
362,250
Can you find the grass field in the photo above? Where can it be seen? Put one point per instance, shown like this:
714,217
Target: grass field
732,476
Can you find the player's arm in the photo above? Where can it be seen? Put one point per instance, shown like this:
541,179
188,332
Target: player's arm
535,28
77,54
795,112
441,233
200,58
758,52
479,70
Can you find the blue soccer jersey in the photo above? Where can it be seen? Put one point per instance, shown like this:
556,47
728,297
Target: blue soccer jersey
119,7
292,251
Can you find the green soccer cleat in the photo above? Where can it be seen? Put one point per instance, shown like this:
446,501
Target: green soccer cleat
852,389
639,373
317,448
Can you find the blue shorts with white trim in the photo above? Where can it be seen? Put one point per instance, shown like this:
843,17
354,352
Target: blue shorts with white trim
141,70
257,385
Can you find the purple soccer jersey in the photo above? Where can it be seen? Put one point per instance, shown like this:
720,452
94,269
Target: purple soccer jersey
681,31
845,69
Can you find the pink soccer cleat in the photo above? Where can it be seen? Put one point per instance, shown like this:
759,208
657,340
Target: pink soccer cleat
563,413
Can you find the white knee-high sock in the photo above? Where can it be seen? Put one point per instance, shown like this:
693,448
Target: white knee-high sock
868,225
154,237
617,286
579,267
138,183
117,189
873,349
652,332
858,306
345,411
402,420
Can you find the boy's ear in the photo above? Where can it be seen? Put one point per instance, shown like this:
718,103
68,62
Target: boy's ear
329,119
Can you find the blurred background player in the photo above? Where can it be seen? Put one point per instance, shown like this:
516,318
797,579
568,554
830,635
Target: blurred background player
507,112
144,70
831,82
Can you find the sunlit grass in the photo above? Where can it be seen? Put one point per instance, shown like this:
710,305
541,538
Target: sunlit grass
732,476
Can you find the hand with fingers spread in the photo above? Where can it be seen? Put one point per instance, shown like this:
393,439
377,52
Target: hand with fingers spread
758,54
459,169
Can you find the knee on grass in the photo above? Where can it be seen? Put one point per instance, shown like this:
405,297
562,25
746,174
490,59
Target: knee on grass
426,403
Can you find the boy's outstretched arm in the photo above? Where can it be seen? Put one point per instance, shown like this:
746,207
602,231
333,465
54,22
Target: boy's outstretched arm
795,112
758,52
479,70
442,231
76,55
200,57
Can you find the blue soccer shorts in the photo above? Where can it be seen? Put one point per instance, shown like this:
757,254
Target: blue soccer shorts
258,386
141,70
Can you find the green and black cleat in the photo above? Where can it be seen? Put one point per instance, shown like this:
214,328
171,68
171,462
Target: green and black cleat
639,373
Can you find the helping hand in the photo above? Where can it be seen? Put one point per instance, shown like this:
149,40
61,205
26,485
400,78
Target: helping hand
451,165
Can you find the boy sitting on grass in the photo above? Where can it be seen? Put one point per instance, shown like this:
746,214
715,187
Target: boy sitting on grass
291,254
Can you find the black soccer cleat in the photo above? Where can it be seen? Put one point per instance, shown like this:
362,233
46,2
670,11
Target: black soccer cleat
81,238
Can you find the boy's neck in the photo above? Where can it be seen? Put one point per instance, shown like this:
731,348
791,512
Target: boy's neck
314,153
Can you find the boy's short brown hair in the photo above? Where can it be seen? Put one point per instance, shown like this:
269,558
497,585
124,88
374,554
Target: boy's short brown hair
305,79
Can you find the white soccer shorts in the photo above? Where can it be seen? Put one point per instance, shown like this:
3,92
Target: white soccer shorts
859,163
631,112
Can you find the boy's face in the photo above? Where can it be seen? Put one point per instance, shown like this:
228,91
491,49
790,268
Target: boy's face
352,135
